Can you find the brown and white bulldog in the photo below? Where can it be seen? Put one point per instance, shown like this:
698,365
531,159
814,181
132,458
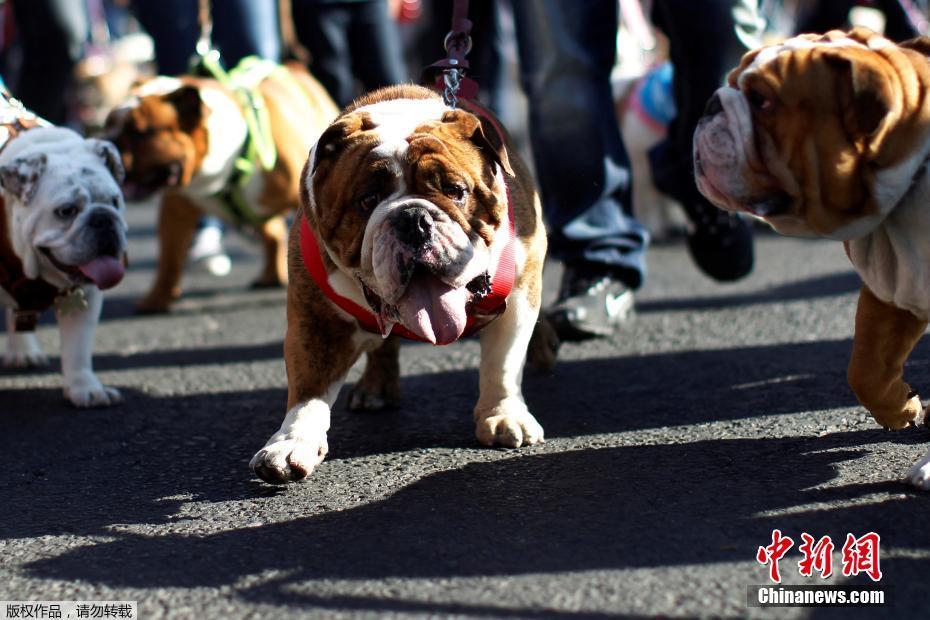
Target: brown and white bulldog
407,208
185,135
830,136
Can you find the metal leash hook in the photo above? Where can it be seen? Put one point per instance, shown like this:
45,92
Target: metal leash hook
204,47
452,78
452,75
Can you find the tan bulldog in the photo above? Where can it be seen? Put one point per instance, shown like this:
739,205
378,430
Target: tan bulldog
184,136
409,210
830,136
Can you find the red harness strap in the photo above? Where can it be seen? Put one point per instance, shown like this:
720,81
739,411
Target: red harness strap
478,315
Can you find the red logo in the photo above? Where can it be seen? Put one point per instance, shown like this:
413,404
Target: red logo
773,553
860,555
817,557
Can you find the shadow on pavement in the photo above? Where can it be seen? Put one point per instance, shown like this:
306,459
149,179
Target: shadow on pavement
612,508
513,513
824,286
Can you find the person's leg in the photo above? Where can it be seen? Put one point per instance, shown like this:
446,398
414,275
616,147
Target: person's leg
53,34
375,46
321,27
567,49
705,43
173,26
246,28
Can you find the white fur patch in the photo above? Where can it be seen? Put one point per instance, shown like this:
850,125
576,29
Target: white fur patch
397,118
894,259
226,133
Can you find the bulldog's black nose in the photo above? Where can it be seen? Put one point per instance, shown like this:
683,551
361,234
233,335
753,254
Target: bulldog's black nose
414,226
713,107
100,220
105,232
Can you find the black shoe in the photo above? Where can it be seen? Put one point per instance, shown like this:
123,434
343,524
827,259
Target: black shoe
592,303
720,242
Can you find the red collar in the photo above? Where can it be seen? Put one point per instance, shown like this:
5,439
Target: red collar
478,315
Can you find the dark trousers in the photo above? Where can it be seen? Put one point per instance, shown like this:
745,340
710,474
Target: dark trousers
704,46
53,33
240,28
349,41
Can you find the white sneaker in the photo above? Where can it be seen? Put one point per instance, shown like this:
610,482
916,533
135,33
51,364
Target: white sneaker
207,251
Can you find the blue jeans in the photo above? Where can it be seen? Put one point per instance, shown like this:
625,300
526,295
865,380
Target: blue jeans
240,28
567,49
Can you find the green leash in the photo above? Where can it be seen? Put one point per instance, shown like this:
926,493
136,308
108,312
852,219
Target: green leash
259,152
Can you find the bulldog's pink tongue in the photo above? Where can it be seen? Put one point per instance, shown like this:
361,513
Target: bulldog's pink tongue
105,271
432,309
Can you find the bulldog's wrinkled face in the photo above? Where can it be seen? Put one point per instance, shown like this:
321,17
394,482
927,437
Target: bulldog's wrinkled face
162,140
820,135
408,197
66,209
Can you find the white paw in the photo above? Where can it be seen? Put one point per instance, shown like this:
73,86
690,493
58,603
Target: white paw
289,460
85,390
919,474
23,351
509,424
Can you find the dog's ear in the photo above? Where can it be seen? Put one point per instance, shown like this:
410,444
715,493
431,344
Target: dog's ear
186,100
331,142
21,176
868,96
110,155
483,133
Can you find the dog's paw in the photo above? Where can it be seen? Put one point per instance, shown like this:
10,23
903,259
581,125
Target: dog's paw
24,352
361,399
508,424
158,301
919,474
289,460
911,414
265,282
86,391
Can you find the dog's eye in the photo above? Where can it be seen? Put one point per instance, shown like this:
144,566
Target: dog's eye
454,191
66,212
758,102
369,201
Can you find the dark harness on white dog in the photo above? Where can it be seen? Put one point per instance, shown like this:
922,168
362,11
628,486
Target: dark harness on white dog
32,297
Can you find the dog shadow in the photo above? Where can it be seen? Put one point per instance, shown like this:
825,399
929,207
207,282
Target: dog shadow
614,508
536,510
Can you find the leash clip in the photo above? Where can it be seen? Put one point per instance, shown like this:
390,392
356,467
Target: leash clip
452,78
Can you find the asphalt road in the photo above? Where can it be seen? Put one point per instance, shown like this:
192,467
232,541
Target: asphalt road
673,450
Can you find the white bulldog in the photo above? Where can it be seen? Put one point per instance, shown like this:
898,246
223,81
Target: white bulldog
62,240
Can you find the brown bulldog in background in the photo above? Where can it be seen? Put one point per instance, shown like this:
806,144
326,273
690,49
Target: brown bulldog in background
407,207
830,136
184,136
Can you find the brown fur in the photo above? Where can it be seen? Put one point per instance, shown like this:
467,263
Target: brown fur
885,336
866,109
171,128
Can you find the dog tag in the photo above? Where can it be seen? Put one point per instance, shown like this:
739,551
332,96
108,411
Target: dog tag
72,300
